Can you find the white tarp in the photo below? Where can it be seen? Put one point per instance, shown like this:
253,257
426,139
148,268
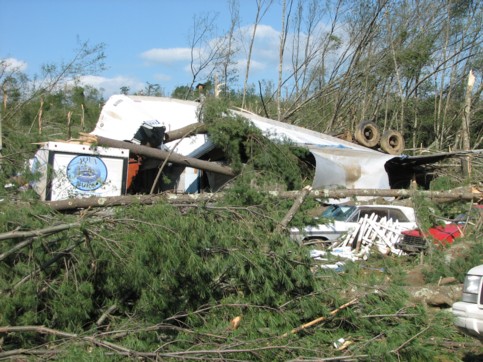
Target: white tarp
338,162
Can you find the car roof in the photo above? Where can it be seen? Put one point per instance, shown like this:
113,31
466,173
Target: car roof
386,206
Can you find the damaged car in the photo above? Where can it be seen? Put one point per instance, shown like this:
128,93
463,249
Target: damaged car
337,220
416,240
468,312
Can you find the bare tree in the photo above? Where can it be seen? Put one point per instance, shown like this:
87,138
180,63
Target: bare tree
206,50
230,50
87,60
283,40
262,8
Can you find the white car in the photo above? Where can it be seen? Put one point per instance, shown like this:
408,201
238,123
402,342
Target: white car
337,220
469,312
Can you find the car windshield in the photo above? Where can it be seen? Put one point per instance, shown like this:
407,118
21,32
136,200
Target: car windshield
339,213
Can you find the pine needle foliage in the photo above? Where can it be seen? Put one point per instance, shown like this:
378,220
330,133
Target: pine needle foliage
176,276
247,149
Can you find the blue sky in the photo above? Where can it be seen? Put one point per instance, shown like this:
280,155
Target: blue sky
146,40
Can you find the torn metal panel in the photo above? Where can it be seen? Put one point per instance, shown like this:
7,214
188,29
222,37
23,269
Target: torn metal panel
338,162
350,168
299,135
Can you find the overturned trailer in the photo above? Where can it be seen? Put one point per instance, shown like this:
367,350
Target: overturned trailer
148,122
338,163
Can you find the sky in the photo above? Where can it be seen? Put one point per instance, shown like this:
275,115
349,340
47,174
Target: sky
146,41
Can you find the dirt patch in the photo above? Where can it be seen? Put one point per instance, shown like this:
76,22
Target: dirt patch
415,277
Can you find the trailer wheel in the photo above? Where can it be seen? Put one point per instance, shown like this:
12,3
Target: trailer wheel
367,134
392,142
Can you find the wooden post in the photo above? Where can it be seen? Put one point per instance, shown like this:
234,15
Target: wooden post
40,115
69,133
465,126
5,97
82,117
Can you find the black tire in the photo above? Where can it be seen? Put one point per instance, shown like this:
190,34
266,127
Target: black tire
367,134
392,142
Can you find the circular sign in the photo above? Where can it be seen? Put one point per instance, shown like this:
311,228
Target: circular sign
86,173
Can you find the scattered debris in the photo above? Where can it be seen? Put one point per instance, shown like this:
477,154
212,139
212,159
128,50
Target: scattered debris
338,220
383,234
160,128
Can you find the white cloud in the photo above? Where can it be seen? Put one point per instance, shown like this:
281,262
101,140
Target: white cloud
163,77
255,65
266,44
267,32
112,85
14,65
264,61
167,55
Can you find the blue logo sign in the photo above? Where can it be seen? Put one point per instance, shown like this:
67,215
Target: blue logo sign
86,173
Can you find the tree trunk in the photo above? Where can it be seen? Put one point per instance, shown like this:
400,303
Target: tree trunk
465,126
69,204
162,155
189,130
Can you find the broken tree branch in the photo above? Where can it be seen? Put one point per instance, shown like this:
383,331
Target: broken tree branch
180,137
321,319
120,350
189,130
104,315
396,350
16,248
45,330
302,195
35,233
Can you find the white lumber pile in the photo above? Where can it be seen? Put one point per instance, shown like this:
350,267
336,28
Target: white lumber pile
371,233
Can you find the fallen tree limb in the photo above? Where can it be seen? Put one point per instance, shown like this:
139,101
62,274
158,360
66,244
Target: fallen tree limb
70,204
189,130
35,233
28,352
120,350
104,315
158,154
451,195
54,332
396,350
293,210
321,319
16,248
